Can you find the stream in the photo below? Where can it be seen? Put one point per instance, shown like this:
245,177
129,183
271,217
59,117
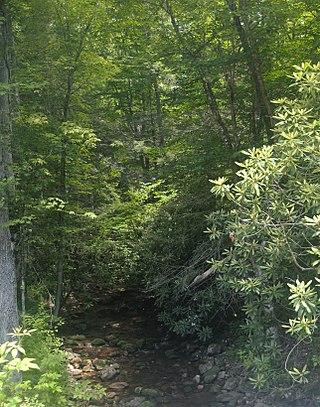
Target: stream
119,344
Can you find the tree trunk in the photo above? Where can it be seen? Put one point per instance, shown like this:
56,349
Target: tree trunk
207,85
8,284
159,112
254,65
61,246
214,108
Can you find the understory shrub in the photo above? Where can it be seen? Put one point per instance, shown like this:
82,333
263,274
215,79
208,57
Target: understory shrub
272,214
34,369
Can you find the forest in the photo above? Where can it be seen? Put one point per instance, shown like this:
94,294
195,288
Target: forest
167,150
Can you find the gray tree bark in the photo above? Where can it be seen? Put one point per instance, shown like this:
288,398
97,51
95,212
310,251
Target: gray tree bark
8,286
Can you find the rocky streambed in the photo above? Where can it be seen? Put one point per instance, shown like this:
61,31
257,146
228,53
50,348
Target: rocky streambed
119,344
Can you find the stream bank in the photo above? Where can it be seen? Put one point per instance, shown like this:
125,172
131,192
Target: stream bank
119,344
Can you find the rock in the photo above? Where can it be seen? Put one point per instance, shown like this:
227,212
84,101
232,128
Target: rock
171,389
88,368
148,404
127,346
188,388
222,374
230,397
136,402
98,342
230,384
111,339
99,401
108,373
118,385
171,354
111,394
196,379
211,375
214,349
100,362
196,356
76,372
154,393
204,367
78,337
260,403
71,342
115,365
200,387
215,389
75,360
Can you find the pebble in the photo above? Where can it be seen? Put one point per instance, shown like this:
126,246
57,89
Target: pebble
196,379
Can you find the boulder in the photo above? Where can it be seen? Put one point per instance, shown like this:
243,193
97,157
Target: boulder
153,393
211,375
108,373
98,342
204,367
230,384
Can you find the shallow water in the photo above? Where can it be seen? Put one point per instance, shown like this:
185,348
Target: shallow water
126,317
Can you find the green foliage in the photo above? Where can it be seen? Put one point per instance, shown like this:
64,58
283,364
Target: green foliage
134,94
13,363
273,215
124,71
40,380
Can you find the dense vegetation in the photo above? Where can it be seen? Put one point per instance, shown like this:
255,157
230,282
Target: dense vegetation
120,114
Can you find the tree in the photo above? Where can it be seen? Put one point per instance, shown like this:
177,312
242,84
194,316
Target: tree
8,287
274,219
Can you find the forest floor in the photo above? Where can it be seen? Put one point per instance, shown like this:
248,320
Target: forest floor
119,344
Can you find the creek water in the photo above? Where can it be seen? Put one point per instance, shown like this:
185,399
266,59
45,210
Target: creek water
144,356
119,343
